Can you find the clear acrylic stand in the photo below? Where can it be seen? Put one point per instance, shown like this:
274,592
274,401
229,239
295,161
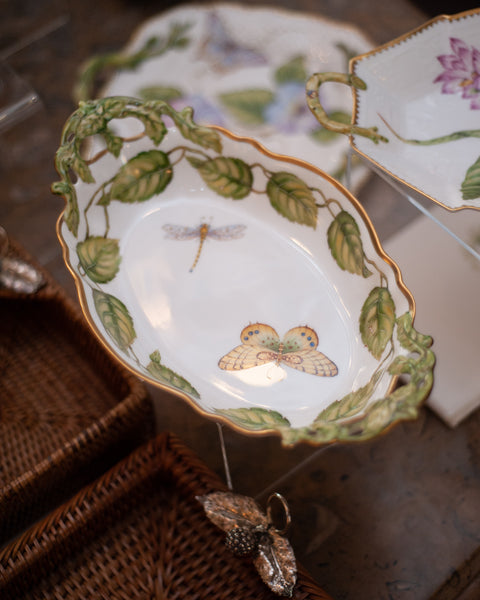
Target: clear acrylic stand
17,99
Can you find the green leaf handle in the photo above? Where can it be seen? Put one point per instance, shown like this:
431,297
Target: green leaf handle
313,101
403,403
206,137
93,118
154,46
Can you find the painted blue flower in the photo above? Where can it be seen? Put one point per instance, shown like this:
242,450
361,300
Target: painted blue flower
289,112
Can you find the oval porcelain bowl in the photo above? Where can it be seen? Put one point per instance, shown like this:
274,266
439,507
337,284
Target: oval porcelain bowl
250,284
417,110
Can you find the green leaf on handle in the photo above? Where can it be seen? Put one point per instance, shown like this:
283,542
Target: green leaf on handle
71,214
292,198
471,183
165,375
152,122
377,320
228,177
99,258
115,318
345,244
255,419
143,176
114,143
206,137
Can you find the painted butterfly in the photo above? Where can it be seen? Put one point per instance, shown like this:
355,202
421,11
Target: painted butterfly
203,231
223,51
261,344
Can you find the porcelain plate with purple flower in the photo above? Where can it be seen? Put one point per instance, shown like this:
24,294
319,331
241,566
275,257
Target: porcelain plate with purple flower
417,109
243,68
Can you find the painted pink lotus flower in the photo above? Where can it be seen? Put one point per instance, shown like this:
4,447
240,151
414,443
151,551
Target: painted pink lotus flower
462,72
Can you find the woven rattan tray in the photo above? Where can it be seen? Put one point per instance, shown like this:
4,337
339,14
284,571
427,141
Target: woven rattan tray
137,533
68,411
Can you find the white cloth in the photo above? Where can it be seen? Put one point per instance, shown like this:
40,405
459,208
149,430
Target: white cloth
445,282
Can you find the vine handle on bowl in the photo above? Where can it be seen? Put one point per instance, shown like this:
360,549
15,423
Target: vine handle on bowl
313,101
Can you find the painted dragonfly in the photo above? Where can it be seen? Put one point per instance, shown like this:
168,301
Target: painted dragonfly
202,232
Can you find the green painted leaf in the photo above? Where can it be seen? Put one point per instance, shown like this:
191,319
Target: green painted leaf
471,183
206,137
248,106
292,198
142,177
255,418
345,244
351,404
228,177
165,375
377,320
115,318
160,92
293,70
99,257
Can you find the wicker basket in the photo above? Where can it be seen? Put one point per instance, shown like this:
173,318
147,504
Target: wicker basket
136,533
68,411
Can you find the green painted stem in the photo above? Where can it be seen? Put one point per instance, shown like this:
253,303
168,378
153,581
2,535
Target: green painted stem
452,137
